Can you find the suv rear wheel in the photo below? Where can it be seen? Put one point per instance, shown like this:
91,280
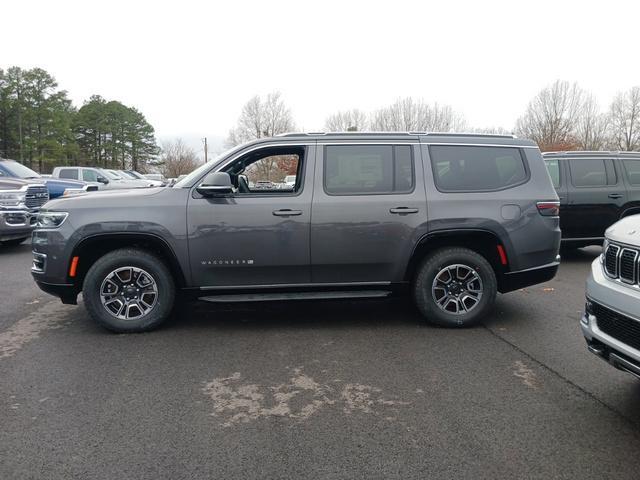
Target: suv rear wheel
129,290
455,287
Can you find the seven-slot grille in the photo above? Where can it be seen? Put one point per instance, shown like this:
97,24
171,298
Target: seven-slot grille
618,326
37,195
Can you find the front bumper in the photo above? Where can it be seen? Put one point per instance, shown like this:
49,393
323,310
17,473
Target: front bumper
621,303
16,223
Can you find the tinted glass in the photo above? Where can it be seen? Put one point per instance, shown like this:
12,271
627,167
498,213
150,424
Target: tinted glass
69,173
362,169
89,175
463,168
588,172
21,171
554,171
632,168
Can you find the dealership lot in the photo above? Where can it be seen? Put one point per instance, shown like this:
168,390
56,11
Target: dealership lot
302,390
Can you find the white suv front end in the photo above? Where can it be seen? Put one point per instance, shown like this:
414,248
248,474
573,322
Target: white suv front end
611,323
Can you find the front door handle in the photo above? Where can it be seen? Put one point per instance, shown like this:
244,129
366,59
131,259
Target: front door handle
403,210
615,195
287,212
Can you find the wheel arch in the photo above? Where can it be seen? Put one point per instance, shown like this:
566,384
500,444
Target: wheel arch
90,248
484,242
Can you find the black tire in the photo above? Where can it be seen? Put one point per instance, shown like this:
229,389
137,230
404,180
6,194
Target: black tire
435,263
139,260
14,242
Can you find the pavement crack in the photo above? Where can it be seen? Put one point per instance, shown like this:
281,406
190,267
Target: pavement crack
634,424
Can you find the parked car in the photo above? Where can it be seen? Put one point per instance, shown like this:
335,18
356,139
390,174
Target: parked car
20,200
451,219
103,178
157,177
56,187
117,175
264,185
290,180
611,323
133,175
596,189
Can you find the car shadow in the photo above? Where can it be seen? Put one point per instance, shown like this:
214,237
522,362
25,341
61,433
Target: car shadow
330,314
579,255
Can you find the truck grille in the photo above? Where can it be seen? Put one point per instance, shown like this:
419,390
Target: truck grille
37,195
618,326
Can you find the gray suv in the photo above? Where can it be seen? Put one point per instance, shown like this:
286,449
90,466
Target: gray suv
450,218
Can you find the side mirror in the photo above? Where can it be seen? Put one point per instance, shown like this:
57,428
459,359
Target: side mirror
215,185
101,179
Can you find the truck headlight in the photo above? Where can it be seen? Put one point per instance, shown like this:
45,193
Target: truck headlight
50,219
12,198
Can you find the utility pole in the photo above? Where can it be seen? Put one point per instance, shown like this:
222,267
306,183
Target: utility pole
205,150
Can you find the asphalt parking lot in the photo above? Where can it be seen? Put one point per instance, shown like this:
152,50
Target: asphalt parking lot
312,390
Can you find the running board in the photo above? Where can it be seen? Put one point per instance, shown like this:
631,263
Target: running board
266,297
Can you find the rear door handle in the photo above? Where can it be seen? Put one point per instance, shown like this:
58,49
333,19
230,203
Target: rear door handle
615,195
401,210
287,212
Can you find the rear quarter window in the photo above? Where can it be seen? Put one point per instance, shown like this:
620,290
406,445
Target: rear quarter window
71,173
477,168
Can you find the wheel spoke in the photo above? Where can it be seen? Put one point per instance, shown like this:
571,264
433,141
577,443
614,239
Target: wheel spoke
457,289
129,293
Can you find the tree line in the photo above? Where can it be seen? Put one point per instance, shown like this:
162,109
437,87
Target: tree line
562,116
40,127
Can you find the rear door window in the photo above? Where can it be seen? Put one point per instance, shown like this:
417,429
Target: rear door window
588,172
71,173
461,168
368,169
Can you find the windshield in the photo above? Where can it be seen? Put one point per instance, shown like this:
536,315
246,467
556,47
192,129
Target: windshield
20,170
128,174
113,175
189,179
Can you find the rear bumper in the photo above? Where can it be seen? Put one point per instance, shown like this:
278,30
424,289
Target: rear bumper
511,281
67,292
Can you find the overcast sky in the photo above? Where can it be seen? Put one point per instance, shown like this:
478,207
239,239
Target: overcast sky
190,66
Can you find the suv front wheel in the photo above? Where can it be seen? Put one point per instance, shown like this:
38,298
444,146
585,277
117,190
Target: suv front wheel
455,287
129,290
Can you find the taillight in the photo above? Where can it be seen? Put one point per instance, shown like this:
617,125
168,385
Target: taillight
549,209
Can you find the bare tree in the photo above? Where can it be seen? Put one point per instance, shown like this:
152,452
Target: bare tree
491,130
176,158
409,114
346,121
625,120
551,116
261,118
592,126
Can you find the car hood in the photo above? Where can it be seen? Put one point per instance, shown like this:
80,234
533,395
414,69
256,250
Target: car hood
16,183
104,198
626,230
67,183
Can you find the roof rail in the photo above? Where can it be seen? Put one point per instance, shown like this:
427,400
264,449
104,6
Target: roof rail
439,134
591,152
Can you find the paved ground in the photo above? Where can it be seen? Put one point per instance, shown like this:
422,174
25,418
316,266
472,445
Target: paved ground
311,390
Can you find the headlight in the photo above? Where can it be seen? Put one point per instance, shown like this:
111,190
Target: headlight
50,219
12,198
605,244
70,192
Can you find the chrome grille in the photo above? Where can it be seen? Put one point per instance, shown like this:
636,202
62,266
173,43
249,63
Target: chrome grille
37,195
611,260
628,265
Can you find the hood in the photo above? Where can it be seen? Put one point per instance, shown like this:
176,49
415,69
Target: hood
67,183
103,198
7,183
626,231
